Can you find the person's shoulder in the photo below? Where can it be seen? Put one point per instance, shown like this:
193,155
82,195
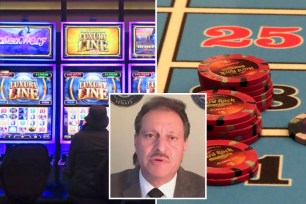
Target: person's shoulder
127,176
123,180
123,175
192,176
195,183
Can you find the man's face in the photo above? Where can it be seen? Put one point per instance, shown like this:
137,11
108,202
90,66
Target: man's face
160,145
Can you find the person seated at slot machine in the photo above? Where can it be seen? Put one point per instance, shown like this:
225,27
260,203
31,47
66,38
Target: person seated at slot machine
87,171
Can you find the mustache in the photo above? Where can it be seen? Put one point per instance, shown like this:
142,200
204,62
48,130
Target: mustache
160,154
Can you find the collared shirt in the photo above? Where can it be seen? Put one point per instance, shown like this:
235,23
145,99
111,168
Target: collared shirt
167,188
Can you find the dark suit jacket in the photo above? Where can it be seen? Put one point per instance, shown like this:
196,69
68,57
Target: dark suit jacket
126,184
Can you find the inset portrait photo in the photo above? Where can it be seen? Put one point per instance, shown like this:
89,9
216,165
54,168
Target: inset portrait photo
157,146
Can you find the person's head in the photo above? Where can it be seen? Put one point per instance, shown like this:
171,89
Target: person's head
161,135
97,117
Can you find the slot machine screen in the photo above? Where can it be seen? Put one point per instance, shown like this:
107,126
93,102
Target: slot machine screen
142,41
92,41
27,41
74,120
91,88
142,79
84,86
26,105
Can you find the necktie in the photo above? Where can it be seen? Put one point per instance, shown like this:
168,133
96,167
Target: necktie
155,193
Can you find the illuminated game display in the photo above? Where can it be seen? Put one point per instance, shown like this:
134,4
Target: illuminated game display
25,123
92,41
74,119
142,78
142,41
87,85
26,112
88,88
27,41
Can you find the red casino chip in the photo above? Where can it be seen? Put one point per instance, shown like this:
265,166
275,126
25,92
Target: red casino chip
208,83
239,138
233,70
263,85
237,135
260,91
262,109
251,140
228,159
237,126
264,104
265,95
225,107
233,180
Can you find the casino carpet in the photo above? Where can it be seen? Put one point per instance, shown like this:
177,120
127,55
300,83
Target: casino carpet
181,36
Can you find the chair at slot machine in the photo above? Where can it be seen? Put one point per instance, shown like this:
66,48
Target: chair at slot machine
24,172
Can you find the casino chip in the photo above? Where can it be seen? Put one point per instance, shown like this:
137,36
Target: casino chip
234,180
297,128
251,140
241,134
237,126
230,162
243,73
234,70
226,107
232,115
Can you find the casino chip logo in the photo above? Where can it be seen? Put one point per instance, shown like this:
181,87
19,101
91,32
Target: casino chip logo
199,100
125,100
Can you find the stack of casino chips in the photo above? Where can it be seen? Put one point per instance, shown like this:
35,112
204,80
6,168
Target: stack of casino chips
243,73
230,162
232,115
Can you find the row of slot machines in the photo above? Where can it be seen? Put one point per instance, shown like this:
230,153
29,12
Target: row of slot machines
28,99
80,41
44,99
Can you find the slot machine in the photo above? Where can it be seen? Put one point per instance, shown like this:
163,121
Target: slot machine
27,105
141,78
142,41
84,85
92,41
27,85
27,41
141,68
